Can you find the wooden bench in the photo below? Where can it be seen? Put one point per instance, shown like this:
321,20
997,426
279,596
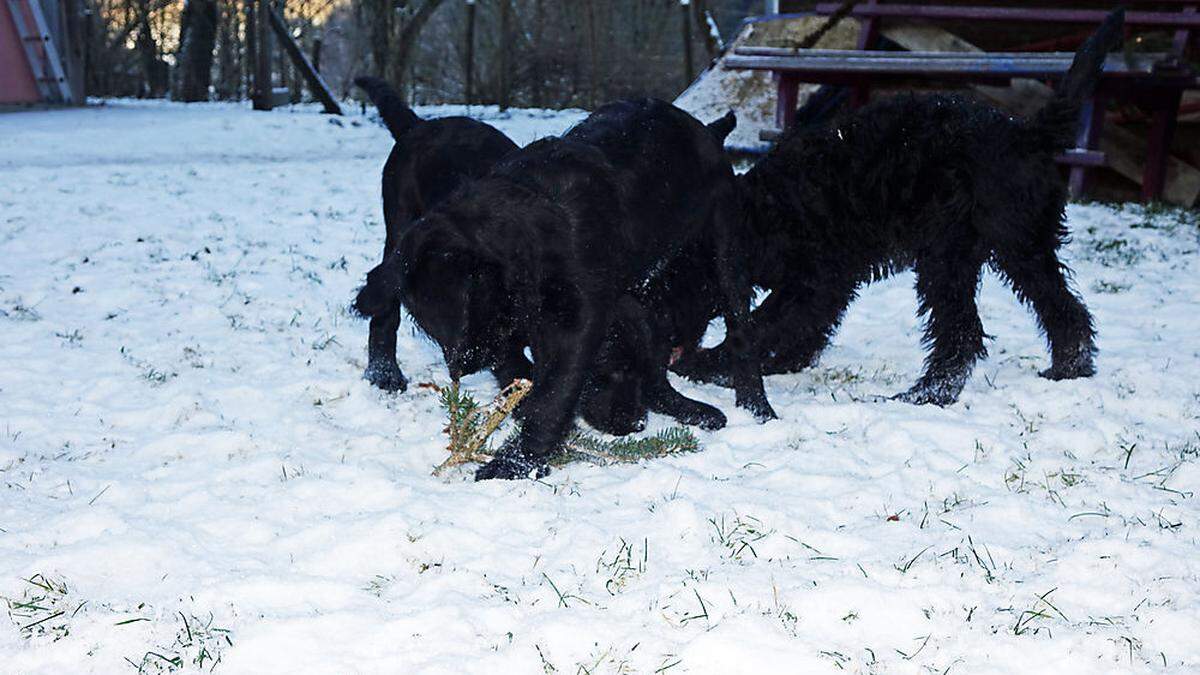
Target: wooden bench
1154,81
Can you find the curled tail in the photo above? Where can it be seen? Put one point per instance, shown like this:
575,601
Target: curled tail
722,127
1057,121
381,294
398,117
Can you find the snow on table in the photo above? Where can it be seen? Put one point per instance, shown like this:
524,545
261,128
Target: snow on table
191,462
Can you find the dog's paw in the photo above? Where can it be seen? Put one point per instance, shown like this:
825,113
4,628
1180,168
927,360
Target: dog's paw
707,418
387,376
925,394
1077,368
510,467
760,408
708,366
616,425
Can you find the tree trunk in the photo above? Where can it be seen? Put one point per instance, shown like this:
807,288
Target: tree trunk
688,73
506,50
708,28
229,61
406,42
594,75
154,75
469,65
197,38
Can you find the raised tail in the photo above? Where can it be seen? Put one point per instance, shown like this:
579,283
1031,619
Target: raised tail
1058,120
723,127
398,117
381,294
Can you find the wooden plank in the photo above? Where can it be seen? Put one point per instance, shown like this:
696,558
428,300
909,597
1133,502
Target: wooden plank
1125,151
1077,157
791,51
1015,14
900,64
315,83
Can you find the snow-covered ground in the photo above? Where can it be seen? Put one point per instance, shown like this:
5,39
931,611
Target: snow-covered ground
192,466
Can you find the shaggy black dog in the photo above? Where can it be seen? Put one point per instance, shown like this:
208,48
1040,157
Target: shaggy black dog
549,242
429,160
940,184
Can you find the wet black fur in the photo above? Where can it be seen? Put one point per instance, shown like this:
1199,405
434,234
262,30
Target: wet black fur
654,323
544,248
429,160
939,184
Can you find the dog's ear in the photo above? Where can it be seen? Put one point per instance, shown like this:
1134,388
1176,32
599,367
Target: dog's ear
723,127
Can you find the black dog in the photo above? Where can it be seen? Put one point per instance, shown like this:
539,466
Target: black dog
654,324
937,183
430,159
550,241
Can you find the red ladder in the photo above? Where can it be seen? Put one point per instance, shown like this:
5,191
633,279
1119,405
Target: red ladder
44,61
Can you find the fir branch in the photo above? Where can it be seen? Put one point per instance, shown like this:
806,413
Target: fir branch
469,426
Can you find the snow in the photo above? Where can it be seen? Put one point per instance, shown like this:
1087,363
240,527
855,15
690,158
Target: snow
187,445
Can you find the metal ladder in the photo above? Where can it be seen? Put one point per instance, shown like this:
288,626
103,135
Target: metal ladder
47,68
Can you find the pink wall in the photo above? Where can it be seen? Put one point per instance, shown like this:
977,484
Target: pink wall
16,80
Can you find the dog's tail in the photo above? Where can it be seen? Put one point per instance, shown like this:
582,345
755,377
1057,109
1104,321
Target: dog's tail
381,293
398,117
1057,121
723,127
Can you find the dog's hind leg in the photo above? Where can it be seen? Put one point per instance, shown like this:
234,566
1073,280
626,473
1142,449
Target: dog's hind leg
382,370
792,326
796,328
1039,279
662,398
947,282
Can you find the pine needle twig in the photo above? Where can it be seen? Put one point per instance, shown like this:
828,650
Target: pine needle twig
470,427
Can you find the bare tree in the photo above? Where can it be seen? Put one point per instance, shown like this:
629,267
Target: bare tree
197,39
395,26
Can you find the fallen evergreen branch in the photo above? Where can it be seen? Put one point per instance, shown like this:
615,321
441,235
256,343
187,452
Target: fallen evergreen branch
589,447
470,426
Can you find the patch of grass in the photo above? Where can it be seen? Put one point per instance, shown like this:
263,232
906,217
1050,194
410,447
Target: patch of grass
1032,621
610,661
21,312
72,339
739,534
149,372
44,608
1114,252
623,566
1110,287
198,644
378,584
1167,217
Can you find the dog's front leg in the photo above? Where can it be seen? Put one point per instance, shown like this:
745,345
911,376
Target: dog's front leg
564,349
733,274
